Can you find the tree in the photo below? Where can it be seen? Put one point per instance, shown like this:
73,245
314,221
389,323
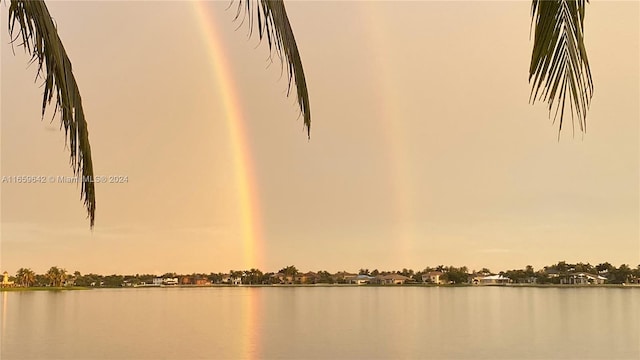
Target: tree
559,67
324,277
40,39
529,271
604,267
41,280
407,272
585,268
456,275
559,64
25,277
52,275
252,277
88,279
562,267
113,280
620,275
290,270
214,278
518,276
427,269
290,273
235,274
56,276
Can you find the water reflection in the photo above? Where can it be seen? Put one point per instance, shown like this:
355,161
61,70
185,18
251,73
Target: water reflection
322,323
4,313
251,312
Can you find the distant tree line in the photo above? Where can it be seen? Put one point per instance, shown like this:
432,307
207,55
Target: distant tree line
552,274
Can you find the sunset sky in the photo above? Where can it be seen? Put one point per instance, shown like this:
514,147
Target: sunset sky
424,149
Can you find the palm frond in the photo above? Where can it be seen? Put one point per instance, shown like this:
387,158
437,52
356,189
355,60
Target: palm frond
40,39
273,23
559,64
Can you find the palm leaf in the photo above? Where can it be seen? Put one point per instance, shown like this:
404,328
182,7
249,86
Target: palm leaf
273,23
559,64
40,39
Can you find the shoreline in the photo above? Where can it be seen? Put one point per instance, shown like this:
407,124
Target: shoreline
547,286
44,288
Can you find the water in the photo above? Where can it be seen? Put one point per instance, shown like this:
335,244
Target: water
322,323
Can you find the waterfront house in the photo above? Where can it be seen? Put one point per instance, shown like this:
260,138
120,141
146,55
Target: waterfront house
170,281
342,276
391,279
282,278
490,280
5,280
232,280
202,281
527,280
582,278
306,278
432,277
552,273
361,279
194,280
278,278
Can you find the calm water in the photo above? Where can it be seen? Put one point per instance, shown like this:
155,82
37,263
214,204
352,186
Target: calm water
322,323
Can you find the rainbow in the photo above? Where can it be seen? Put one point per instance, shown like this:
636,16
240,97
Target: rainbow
393,128
248,200
249,206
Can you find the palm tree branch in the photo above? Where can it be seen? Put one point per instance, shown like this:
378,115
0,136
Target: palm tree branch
559,64
40,39
273,24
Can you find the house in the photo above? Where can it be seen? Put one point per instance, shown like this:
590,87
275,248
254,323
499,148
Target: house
490,280
432,277
202,281
582,278
5,280
552,273
342,276
306,278
233,280
361,279
527,280
282,278
391,279
170,281
194,280
277,278
634,280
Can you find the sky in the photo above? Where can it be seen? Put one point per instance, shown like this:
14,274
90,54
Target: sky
424,148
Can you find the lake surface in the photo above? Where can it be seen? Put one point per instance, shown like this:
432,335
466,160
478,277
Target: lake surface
322,323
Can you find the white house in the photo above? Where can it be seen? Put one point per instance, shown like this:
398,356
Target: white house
490,280
360,279
432,277
233,280
584,279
